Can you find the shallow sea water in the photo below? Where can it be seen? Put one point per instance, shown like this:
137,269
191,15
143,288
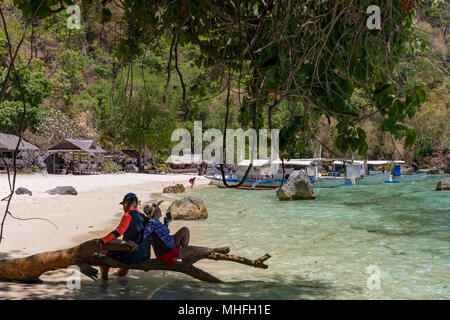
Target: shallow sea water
321,249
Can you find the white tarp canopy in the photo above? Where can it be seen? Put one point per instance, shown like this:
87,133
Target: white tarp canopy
295,162
371,162
185,159
256,163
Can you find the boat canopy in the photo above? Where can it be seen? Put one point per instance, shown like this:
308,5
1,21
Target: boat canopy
256,162
185,159
371,162
295,162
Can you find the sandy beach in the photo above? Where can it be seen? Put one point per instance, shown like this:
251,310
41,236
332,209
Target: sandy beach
92,213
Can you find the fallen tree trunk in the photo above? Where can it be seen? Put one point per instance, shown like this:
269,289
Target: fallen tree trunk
30,268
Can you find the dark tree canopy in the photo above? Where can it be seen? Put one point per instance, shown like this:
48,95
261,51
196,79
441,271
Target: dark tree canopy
314,53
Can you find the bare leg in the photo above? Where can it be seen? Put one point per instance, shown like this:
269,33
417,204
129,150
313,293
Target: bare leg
182,237
104,271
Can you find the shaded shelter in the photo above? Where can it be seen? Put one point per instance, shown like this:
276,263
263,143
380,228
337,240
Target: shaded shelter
25,154
75,150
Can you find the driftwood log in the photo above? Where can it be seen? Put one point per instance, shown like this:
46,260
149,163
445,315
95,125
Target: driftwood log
29,269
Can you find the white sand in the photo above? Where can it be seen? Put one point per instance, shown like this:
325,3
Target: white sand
92,213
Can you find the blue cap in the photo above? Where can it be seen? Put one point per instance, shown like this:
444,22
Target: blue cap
129,197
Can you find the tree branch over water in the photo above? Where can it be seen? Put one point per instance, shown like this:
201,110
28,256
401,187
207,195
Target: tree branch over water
29,269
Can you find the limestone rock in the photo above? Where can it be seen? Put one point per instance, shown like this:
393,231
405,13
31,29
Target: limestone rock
297,187
443,184
23,190
63,190
188,208
178,188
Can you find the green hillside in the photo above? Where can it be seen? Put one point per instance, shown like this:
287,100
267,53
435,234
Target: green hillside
78,85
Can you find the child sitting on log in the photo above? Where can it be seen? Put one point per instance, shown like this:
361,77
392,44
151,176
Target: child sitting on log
167,247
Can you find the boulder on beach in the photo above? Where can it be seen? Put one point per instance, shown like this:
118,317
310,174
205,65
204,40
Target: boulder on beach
22,190
297,187
443,184
63,190
188,208
178,188
131,168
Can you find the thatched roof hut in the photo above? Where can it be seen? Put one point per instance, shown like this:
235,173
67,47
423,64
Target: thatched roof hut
8,143
76,146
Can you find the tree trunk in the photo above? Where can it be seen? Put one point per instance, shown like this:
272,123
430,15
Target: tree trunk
30,268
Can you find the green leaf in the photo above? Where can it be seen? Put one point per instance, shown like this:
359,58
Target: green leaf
363,147
105,15
410,137
411,111
361,133
388,124
420,94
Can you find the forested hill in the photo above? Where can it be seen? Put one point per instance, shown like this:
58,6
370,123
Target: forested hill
78,86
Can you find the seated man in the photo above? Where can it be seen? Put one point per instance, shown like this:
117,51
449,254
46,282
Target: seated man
167,247
131,227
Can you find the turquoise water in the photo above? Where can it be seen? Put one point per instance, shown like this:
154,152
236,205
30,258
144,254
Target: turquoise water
320,249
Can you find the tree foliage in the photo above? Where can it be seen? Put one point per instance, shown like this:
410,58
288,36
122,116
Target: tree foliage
313,54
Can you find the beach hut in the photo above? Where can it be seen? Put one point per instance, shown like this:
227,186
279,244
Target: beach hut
188,163
73,148
26,150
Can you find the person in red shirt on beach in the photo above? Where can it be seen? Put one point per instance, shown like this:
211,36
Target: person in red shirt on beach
192,182
131,227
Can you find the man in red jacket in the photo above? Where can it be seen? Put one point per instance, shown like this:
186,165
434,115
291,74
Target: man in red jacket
131,227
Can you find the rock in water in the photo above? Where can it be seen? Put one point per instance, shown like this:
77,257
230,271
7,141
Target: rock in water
63,190
443,184
188,208
408,170
131,168
23,190
178,188
297,187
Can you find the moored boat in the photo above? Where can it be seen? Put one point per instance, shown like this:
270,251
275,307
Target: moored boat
249,184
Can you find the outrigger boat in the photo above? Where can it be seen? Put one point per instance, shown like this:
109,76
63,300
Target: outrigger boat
354,172
259,177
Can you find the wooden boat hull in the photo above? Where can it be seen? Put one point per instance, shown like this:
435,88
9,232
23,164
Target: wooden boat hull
370,180
272,184
248,184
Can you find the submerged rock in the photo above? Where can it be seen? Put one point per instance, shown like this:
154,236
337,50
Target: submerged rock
443,184
178,188
188,208
297,187
388,231
23,190
63,190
